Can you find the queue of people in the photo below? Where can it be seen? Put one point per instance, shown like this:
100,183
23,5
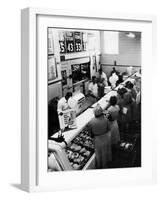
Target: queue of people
109,126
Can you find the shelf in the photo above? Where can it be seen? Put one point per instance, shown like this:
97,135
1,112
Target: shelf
79,82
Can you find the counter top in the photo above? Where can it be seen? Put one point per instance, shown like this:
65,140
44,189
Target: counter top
69,135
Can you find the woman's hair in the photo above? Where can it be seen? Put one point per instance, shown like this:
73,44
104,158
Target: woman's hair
98,111
129,85
121,91
113,100
68,95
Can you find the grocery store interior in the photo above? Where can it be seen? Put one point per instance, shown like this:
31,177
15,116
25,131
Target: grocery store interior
94,99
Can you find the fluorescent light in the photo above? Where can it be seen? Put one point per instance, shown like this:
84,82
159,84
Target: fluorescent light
130,35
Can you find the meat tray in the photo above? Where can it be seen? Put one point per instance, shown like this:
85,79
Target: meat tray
80,150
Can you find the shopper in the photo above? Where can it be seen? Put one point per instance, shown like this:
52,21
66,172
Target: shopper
112,114
138,106
130,86
122,112
132,90
128,109
138,99
99,129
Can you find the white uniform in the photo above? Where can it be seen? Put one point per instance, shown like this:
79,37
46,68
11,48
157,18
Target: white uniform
62,105
93,88
113,79
103,76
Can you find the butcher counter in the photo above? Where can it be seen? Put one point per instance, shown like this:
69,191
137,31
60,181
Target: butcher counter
76,150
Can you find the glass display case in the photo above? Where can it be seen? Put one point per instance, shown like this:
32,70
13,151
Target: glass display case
80,72
77,155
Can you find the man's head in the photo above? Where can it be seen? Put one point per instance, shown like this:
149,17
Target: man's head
68,95
94,79
129,85
100,71
113,100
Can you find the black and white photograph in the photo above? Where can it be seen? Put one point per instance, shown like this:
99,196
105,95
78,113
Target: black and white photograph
94,99
80,107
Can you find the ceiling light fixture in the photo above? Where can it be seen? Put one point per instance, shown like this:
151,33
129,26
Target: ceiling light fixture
130,35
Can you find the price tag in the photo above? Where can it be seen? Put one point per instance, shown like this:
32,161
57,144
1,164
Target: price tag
62,47
70,47
62,42
70,42
78,41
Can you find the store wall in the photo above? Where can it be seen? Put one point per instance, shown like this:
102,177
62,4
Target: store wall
129,54
91,54
54,90
94,51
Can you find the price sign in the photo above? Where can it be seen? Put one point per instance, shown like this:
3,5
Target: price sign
62,42
62,46
70,47
78,41
69,42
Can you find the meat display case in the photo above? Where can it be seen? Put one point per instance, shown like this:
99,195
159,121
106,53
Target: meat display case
77,155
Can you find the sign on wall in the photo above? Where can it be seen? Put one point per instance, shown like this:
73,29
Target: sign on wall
78,41
71,42
62,42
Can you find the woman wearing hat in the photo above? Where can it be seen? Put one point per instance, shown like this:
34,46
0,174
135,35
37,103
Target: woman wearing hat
99,130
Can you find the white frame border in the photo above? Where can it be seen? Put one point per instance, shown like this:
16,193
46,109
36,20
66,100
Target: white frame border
29,85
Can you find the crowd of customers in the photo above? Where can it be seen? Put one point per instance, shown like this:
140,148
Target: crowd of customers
109,126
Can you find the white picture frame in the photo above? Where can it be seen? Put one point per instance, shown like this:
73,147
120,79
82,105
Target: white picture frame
33,176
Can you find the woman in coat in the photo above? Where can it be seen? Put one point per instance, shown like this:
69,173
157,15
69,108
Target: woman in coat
99,129
112,114
122,115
